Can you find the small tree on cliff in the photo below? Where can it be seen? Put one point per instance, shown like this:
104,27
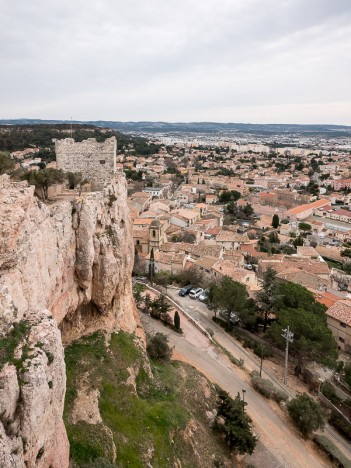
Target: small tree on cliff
43,179
6,163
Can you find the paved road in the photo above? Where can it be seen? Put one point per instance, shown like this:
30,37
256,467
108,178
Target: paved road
281,446
201,314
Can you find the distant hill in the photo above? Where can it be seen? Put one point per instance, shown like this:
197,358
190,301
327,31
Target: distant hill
21,134
331,131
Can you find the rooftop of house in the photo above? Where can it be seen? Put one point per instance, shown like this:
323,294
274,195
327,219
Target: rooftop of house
206,262
284,262
325,297
205,250
188,214
301,208
141,234
142,221
329,251
341,311
307,251
229,268
304,278
231,236
343,213
140,195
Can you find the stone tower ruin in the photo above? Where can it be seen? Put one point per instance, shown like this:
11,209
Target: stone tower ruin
95,161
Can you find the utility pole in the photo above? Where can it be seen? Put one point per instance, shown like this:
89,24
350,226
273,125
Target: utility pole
288,336
262,348
244,391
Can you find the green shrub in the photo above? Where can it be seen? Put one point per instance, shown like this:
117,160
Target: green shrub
328,391
340,423
335,455
306,414
267,389
263,386
9,343
158,347
247,343
266,352
279,395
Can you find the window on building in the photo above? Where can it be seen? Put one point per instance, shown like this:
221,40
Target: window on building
342,324
154,233
341,339
138,242
102,161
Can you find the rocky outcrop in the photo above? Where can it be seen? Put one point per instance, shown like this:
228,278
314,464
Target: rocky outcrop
65,267
32,390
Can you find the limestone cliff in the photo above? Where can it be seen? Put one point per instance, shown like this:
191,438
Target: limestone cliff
64,265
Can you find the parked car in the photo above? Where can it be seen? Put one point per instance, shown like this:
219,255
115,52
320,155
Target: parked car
232,319
195,293
203,296
139,278
186,290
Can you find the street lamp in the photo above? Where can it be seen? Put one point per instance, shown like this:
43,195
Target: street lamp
288,336
244,391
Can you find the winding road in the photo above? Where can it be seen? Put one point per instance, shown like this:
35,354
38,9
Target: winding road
279,446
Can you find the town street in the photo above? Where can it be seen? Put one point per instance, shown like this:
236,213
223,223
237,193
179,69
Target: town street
282,446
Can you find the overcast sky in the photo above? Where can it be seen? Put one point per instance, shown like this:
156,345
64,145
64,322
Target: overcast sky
258,61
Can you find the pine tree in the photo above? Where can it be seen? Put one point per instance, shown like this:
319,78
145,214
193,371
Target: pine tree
176,320
275,221
266,298
152,265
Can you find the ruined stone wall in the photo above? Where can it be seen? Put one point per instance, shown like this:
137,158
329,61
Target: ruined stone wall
96,161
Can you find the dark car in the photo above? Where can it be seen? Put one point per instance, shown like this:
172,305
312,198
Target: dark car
233,318
186,290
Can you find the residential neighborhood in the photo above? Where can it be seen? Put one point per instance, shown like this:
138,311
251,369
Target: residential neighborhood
211,209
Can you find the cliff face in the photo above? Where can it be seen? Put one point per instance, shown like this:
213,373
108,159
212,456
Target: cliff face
64,266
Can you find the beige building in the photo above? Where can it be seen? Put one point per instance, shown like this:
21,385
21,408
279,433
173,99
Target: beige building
228,268
339,321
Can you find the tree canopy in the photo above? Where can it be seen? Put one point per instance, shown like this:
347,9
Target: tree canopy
296,307
230,296
43,179
6,163
305,227
237,424
306,414
227,196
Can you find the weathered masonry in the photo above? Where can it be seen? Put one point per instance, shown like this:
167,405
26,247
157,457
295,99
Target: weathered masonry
95,161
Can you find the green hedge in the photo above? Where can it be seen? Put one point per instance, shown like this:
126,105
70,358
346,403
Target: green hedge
335,455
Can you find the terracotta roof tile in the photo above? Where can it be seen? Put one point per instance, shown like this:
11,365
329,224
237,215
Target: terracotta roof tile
341,311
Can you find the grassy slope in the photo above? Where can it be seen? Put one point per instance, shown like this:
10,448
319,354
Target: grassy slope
155,419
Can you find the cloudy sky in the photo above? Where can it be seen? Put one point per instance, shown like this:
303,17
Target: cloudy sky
271,61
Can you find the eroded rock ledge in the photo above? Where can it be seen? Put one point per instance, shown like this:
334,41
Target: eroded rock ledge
65,269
